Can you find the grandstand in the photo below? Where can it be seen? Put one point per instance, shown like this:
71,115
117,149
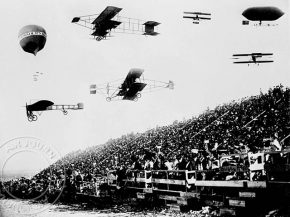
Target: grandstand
249,124
223,144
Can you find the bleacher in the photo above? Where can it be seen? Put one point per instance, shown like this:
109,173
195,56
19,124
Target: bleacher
182,189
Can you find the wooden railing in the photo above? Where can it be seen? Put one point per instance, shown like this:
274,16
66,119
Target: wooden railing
155,177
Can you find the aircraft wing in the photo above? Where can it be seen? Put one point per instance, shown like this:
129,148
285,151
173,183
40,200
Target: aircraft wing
190,17
266,54
134,74
107,14
258,61
204,18
264,61
253,54
237,62
131,78
103,23
100,32
197,13
240,55
133,90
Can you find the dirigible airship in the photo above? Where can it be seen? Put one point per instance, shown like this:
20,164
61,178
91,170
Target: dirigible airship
32,38
262,14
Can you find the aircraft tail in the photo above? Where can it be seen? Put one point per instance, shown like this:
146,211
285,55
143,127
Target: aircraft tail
80,105
170,85
93,89
149,28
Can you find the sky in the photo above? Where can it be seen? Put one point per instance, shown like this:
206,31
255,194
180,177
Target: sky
196,57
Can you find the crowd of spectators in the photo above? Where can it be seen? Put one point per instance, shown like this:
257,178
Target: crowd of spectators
248,125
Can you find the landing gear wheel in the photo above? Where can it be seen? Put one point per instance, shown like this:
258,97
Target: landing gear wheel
34,117
138,95
108,99
30,118
64,112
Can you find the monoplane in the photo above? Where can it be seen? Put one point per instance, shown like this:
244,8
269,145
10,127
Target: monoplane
197,16
108,20
254,58
261,14
45,105
131,87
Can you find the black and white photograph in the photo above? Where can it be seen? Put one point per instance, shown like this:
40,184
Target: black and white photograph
145,108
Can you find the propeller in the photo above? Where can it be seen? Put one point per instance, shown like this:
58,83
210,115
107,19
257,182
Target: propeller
26,106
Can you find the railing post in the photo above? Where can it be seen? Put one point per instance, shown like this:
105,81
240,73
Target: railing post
108,182
167,179
186,178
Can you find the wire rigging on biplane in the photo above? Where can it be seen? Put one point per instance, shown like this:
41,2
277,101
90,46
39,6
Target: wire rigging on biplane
261,14
46,105
131,88
253,58
108,20
197,16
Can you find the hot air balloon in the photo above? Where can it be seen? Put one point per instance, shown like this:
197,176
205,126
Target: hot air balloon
32,38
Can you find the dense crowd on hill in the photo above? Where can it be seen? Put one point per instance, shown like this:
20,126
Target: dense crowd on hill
251,124
248,125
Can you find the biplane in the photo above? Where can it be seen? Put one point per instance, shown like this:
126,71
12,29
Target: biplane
261,14
131,87
108,20
253,58
45,105
197,16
